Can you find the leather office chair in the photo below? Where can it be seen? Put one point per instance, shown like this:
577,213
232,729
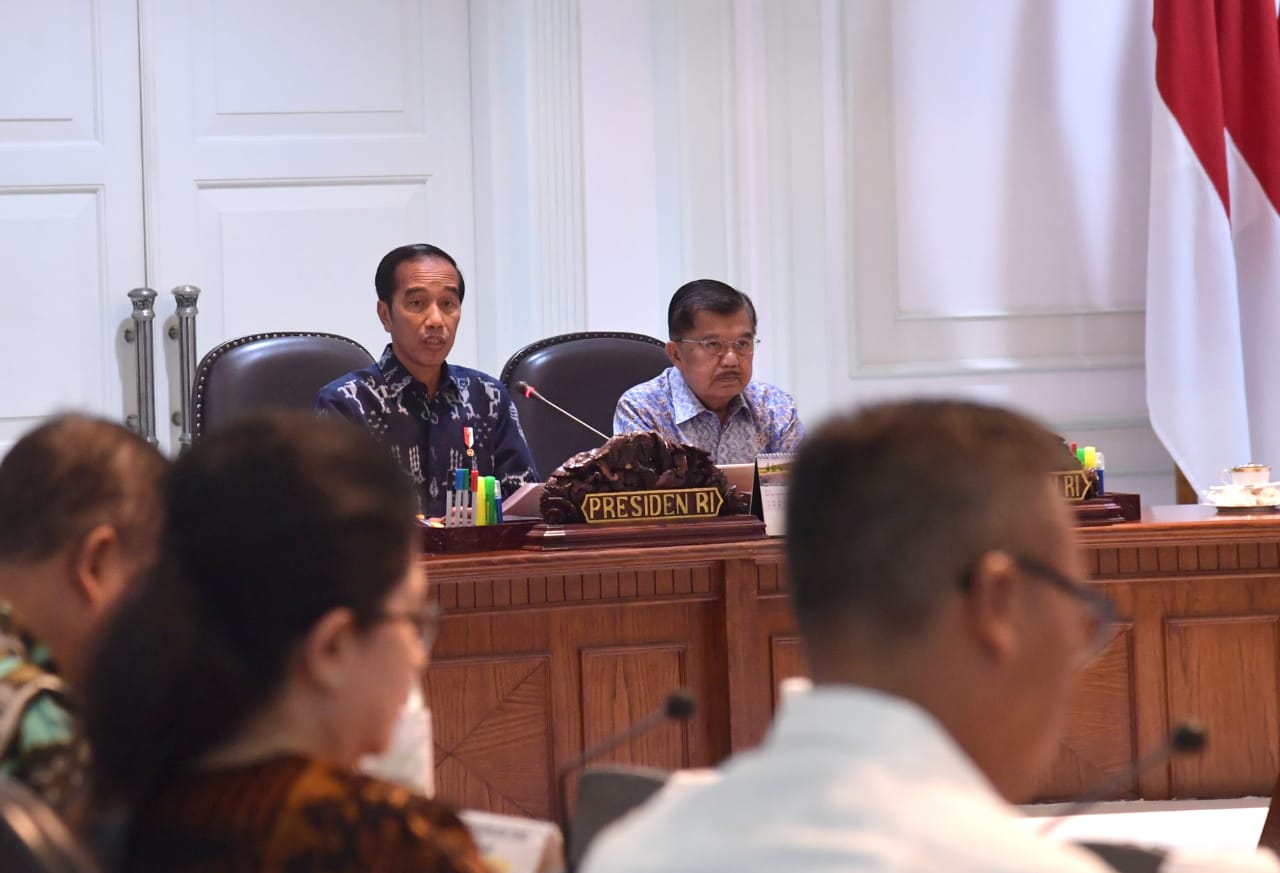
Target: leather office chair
282,370
33,839
606,794
585,373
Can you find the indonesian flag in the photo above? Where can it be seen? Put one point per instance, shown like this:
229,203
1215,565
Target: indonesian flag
1213,257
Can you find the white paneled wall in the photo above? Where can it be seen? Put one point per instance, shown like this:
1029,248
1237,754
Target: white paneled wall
267,153
287,152
70,207
922,197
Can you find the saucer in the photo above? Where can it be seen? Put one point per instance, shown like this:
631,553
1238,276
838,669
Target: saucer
1243,498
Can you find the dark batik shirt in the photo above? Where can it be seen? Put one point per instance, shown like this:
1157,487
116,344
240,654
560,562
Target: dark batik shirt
425,434
294,815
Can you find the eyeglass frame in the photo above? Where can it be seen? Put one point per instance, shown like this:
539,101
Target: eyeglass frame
711,343
1102,608
425,620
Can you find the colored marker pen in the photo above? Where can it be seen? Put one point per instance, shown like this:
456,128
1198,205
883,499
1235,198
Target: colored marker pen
448,504
459,488
474,490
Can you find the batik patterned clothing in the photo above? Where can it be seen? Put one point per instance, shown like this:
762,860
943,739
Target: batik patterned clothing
762,419
425,433
40,741
295,815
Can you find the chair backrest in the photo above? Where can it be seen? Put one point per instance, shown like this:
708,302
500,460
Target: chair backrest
281,370
606,794
585,373
33,839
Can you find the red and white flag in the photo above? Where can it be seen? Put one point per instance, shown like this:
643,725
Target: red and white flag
1213,258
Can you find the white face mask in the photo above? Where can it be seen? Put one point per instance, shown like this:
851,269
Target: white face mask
409,760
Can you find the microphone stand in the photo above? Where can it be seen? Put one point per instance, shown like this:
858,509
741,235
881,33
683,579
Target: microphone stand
1187,737
678,706
529,391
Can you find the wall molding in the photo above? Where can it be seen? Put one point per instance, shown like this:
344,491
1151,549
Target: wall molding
556,139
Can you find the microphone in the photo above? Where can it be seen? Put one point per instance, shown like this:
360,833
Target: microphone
1188,737
529,391
678,706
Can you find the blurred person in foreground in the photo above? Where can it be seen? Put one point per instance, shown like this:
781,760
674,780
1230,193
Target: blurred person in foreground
273,645
938,585
79,517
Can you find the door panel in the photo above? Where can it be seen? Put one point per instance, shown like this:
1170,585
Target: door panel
71,241
262,242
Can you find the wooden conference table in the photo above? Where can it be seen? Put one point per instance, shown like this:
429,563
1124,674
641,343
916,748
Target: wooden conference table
544,653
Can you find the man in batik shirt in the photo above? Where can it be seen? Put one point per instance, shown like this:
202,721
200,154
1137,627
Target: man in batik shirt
707,399
79,520
434,416
37,729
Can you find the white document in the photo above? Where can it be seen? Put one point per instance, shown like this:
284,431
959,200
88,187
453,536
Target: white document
511,844
774,470
525,500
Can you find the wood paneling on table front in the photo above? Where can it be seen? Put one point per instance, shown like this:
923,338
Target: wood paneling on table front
544,653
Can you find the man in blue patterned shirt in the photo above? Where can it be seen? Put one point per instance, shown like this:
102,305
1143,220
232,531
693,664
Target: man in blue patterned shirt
707,399
416,403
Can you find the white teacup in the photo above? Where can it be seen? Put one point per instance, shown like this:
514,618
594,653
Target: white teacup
1246,474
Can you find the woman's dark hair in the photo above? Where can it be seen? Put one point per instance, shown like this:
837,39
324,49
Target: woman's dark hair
710,295
270,523
384,279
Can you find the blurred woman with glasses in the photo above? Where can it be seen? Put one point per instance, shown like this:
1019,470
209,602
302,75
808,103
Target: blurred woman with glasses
272,647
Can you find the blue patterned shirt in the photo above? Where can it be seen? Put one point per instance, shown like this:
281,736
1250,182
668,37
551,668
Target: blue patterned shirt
762,419
425,434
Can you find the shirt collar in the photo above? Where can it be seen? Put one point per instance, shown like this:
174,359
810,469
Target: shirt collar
874,723
398,377
686,406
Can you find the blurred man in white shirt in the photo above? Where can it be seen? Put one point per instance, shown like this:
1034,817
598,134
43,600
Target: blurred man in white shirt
938,586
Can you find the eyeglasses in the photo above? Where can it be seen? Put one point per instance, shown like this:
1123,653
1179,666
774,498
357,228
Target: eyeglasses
1103,612
425,620
743,347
